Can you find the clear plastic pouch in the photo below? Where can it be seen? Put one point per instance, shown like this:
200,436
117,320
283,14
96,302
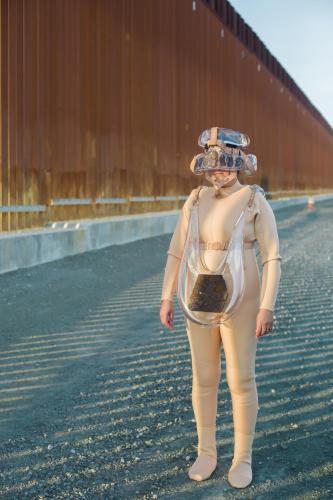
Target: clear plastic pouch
211,283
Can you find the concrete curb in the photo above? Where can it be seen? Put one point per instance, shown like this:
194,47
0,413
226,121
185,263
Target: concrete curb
28,248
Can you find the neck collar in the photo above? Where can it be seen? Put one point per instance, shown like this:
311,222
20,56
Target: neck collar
226,190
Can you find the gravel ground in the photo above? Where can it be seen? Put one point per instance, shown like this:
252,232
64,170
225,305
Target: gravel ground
95,394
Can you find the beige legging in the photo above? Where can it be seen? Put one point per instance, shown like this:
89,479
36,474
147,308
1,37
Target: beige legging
239,341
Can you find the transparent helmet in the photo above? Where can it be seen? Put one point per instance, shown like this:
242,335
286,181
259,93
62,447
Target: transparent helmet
223,150
225,136
215,158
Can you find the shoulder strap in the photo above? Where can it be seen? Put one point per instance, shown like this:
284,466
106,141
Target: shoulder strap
253,192
255,188
198,189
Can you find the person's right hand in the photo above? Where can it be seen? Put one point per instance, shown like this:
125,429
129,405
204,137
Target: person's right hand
167,313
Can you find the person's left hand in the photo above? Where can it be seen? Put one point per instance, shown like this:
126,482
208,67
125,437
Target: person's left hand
264,322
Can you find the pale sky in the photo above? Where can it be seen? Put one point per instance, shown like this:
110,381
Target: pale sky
299,33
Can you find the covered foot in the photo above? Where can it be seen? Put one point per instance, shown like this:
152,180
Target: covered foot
202,468
240,474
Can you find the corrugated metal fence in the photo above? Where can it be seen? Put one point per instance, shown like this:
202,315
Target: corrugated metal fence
102,102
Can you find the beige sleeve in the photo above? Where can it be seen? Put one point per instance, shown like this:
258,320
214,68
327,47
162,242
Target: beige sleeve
270,284
175,251
268,240
170,277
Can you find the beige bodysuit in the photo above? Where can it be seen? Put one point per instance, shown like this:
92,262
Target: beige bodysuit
238,334
217,217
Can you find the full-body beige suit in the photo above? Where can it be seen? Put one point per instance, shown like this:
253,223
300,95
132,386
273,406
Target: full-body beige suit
216,219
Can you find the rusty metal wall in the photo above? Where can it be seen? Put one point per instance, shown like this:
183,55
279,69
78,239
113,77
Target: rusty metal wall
102,102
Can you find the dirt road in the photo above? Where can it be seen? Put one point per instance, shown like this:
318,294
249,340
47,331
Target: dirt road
95,395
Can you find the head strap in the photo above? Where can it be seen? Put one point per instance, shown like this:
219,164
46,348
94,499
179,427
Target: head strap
213,137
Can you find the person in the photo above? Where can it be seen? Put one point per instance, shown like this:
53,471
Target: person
240,333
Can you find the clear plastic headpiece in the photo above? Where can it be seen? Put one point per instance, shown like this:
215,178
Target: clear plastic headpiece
223,151
224,136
